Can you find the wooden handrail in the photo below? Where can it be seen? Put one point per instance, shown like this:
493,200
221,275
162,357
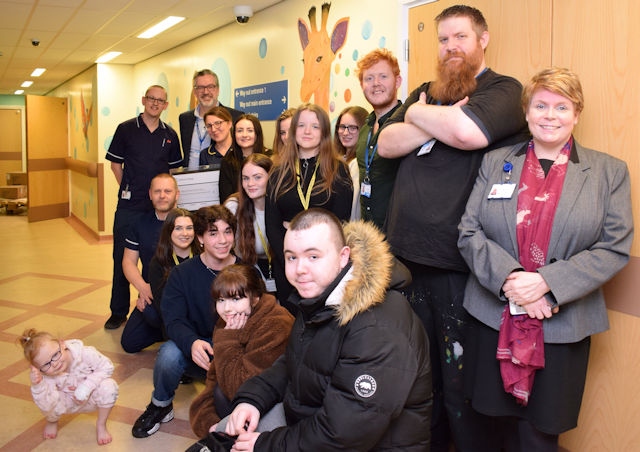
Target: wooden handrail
87,168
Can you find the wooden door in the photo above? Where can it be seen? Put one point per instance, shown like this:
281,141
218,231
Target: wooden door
600,43
519,37
10,142
599,40
47,148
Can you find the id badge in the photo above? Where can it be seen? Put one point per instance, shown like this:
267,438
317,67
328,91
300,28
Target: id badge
515,309
365,189
270,284
126,194
502,191
426,148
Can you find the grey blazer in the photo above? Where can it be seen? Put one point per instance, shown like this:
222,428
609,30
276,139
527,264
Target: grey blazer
590,240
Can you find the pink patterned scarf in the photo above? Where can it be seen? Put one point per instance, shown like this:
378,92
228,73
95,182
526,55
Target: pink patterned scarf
521,339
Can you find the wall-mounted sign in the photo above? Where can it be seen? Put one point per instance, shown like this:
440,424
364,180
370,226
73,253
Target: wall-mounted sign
266,101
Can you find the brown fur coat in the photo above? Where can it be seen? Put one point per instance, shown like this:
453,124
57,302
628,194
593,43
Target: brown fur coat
239,355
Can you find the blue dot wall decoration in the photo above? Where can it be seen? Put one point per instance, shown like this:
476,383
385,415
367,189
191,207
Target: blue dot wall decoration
367,28
262,48
221,68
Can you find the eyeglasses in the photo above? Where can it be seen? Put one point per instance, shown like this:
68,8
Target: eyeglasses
56,356
202,88
214,125
155,100
352,129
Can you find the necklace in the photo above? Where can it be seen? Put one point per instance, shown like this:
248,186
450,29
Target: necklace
227,261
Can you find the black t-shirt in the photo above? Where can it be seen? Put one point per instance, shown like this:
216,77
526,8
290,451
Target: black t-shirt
431,190
143,237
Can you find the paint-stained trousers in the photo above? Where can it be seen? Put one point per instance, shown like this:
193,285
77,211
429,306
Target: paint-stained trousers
436,296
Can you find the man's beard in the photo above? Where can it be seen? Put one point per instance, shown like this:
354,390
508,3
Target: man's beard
456,80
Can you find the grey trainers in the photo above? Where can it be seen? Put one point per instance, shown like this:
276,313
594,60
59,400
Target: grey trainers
149,422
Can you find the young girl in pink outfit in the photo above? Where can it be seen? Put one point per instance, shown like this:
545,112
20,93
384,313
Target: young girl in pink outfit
67,377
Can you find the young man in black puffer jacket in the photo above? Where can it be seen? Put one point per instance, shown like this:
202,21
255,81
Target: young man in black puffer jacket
356,374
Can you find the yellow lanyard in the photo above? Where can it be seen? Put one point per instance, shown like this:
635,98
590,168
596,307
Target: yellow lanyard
175,258
305,199
265,245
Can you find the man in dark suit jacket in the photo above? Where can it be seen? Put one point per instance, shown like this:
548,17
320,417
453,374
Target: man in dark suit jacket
193,134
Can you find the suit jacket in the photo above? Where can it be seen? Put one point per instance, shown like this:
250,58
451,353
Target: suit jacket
590,240
187,122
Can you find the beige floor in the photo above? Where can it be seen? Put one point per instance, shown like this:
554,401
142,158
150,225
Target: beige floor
51,278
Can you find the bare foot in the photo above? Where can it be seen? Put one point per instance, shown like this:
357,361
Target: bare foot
102,434
50,430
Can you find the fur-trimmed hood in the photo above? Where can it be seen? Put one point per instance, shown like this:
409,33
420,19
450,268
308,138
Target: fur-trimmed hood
371,273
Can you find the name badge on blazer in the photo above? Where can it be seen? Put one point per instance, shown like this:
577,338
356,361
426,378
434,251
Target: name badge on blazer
502,191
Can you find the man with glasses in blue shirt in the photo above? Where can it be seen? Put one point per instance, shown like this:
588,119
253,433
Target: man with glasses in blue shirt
142,148
195,138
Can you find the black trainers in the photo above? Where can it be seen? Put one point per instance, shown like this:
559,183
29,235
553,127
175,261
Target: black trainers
114,322
149,422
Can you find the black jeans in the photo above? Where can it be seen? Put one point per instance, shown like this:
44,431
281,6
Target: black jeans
436,296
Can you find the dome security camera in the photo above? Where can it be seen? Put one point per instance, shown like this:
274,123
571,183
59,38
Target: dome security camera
35,42
243,13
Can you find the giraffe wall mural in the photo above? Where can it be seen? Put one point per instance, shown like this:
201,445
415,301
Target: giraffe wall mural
319,51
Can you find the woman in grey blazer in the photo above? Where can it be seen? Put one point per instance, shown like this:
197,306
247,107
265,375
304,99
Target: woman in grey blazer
547,224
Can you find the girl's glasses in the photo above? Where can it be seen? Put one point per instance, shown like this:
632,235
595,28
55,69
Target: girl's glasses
56,356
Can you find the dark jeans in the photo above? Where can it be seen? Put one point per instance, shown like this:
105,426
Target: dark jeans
142,330
436,296
222,404
120,295
168,369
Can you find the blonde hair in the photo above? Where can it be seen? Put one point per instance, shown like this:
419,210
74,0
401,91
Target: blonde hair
31,340
278,145
558,80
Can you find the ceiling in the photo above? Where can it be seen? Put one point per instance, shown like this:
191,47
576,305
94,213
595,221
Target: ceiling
74,33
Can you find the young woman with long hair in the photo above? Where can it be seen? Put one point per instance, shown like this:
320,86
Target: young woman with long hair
309,174
175,245
248,204
345,139
247,139
283,124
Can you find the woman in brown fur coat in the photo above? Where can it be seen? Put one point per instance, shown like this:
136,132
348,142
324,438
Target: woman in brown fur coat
251,333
